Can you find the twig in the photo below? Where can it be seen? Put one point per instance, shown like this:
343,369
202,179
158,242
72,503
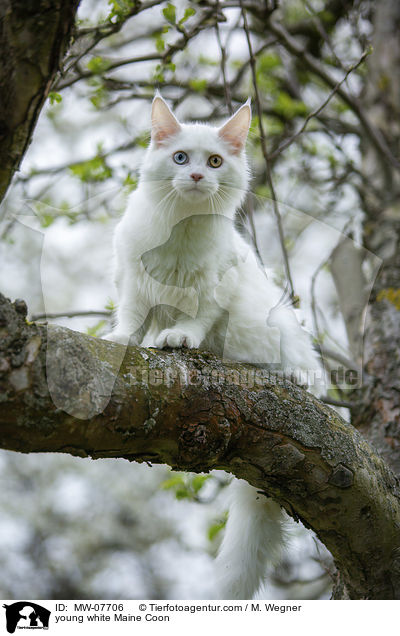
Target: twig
103,31
246,63
70,314
343,403
227,91
317,111
335,355
65,166
166,56
321,30
265,154
314,310
150,57
296,49
114,27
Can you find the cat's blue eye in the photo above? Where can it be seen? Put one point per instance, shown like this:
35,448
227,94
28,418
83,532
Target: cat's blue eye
181,157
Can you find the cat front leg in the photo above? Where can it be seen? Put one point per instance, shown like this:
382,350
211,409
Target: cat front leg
190,333
132,312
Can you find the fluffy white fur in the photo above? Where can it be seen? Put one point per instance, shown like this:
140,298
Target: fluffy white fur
187,278
254,538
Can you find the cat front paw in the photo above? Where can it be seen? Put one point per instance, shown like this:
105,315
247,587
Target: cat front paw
176,338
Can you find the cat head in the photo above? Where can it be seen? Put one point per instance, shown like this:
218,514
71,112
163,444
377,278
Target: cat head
197,164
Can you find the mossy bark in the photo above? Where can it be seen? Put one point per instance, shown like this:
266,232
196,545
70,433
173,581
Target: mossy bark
193,412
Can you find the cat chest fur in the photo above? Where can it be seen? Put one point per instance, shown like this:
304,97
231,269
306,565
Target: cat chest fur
191,253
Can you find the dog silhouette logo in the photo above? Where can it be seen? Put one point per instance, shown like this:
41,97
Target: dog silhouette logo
26,615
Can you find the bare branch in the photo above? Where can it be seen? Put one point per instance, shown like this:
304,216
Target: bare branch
70,314
266,156
227,89
339,403
317,111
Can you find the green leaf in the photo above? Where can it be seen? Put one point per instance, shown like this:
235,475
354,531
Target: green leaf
55,98
130,182
169,13
119,10
333,161
94,330
110,306
326,16
143,139
198,482
216,528
289,107
198,85
93,170
173,482
209,61
160,44
158,75
182,493
45,212
273,126
46,220
98,97
188,14
98,65
268,61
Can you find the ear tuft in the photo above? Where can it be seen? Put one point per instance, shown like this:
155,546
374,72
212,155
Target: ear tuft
235,131
163,123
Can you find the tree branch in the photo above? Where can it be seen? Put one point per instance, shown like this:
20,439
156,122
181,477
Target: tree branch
206,20
374,135
195,413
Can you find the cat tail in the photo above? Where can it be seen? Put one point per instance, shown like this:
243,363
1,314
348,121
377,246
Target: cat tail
254,537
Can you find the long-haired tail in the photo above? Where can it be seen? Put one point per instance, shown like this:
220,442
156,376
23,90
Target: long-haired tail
254,537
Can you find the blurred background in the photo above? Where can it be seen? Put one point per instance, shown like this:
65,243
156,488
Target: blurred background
77,528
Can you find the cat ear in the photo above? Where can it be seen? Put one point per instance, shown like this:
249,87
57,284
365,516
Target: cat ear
234,132
163,123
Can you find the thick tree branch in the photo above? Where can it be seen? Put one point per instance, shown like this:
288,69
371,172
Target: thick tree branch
33,39
195,413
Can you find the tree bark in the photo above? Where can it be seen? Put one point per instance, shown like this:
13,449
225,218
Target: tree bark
195,413
33,39
377,409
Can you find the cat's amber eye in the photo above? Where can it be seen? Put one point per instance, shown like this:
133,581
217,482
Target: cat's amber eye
214,161
181,157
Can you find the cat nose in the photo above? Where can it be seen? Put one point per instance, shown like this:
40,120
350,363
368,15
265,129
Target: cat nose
196,176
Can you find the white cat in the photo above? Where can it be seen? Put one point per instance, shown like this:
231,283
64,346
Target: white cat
187,278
